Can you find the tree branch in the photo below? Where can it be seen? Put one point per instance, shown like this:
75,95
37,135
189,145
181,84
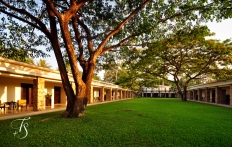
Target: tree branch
77,36
42,27
89,38
158,75
101,49
204,68
182,13
120,43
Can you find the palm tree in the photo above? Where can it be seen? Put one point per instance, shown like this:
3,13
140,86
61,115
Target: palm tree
43,63
30,61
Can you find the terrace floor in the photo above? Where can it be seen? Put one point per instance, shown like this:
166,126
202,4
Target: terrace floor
222,105
11,114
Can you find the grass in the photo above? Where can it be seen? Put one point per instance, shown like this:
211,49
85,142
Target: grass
134,122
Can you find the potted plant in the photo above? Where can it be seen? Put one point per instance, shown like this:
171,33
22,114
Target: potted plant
48,97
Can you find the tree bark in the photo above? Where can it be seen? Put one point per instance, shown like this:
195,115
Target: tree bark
184,94
76,105
180,91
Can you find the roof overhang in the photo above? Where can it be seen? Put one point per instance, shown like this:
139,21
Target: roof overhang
211,85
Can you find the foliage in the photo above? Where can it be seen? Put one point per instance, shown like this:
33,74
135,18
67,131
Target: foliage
96,77
135,81
30,61
184,56
133,123
15,53
110,76
48,95
43,63
128,73
129,78
14,45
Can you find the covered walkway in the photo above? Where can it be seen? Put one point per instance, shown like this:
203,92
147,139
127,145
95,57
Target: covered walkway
11,114
215,92
42,88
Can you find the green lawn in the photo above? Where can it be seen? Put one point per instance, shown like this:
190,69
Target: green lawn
134,122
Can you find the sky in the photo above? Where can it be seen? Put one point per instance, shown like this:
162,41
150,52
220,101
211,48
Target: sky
222,29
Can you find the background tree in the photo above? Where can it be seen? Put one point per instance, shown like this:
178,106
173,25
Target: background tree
86,29
30,61
14,45
110,76
96,77
121,71
14,53
43,63
136,81
186,56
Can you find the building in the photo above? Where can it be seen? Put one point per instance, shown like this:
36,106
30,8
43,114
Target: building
23,81
159,91
214,92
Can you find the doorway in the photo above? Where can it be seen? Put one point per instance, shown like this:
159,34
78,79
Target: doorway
27,93
57,93
213,96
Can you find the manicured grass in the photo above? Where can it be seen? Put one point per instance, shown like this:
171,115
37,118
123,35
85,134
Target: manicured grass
134,122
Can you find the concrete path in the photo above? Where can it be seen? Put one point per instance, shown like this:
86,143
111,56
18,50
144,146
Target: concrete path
221,105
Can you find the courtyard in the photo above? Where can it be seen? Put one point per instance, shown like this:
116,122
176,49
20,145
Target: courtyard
132,122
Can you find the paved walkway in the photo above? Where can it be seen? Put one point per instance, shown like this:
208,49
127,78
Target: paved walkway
11,114
221,105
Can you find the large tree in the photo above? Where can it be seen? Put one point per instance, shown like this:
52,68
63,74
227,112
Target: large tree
86,29
185,56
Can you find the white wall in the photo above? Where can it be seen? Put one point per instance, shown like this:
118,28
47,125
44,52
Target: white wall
10,88
49,87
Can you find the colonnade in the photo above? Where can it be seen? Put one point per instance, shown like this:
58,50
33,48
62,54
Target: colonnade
32,83
217,94
157,92
105,92
101,94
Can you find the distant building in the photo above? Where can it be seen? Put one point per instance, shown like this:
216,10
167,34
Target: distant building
158,91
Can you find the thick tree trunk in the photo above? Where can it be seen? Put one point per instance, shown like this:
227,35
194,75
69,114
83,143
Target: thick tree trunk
88,69
184,94
77,104
181,94
74,107
178,87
